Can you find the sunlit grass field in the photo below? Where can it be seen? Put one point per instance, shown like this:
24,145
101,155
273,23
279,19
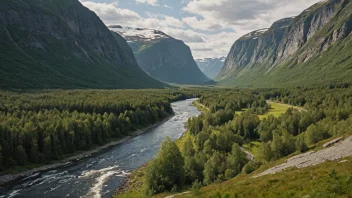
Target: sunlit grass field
276,110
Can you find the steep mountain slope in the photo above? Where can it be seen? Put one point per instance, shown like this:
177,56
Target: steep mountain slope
211,66
313,48
62,44
162,56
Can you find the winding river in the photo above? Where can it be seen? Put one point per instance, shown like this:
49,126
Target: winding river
102,174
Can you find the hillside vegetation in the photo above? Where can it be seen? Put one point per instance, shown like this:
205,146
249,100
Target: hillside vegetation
312,49
162,56
62,44
211,148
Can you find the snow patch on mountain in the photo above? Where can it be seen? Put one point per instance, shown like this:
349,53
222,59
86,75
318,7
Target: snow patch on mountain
131,33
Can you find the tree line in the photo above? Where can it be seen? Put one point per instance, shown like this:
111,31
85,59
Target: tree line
40,126
212,153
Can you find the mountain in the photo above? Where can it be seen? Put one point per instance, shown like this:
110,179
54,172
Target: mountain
314,48
163,57
211,66
62,44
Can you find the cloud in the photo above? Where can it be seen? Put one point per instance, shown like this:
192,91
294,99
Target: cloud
240,16
166,6
209,27
206,25
149,2
187,36
234,13
110,13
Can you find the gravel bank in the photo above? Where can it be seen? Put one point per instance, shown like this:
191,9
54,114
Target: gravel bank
338,151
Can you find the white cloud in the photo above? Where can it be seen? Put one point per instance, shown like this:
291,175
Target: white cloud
235,14
209,27
242,16
110,13
149,2
166,6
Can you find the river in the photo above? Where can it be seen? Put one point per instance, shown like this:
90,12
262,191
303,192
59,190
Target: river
101,175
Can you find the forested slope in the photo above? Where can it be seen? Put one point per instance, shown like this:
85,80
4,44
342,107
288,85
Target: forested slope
38,127
210,150
62,44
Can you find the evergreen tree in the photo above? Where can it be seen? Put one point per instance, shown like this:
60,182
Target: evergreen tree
20,156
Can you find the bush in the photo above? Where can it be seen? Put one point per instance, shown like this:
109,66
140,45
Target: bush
196,188
250,167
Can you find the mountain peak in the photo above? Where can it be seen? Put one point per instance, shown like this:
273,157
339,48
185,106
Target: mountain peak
138,34
255,34
162,56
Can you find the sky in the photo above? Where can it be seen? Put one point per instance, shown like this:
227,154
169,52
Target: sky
209,27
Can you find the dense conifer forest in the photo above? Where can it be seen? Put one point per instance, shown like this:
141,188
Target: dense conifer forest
40,126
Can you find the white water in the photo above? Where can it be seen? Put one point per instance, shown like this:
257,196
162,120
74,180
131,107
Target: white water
101,175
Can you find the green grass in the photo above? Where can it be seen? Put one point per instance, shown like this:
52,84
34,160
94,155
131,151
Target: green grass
252,147
199,106
240,112
276,110
313,181
134,186
180,142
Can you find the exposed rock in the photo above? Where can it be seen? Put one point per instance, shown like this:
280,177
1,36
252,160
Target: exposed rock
62,44
211,66
163,57
338,151
262,56
258,47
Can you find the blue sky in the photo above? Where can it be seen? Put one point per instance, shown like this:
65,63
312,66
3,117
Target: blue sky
209,27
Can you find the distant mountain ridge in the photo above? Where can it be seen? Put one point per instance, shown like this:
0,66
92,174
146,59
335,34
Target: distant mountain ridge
162,56
314,48
62,44
211,66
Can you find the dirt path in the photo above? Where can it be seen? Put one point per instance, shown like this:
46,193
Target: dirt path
172,196
338,151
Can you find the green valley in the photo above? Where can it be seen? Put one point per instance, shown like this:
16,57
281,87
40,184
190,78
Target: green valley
106,98
211,156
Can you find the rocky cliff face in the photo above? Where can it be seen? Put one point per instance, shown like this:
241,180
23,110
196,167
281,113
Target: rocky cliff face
307,25
294,49
256,48
211,66
62,44
163,57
